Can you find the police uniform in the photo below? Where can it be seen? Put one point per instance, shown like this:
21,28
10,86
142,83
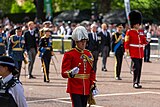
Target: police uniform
118,49
16,91
134,43
45,49
79,85
16,49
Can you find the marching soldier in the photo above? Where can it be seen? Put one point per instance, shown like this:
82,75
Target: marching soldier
16,48
77,67
117,47
134,44
3,42
45,52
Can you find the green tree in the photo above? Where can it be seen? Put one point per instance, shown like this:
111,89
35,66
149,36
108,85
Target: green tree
5,5
26,7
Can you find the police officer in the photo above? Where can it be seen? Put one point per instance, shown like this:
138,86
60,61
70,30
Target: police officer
10,85
77,67
134,44
117,40
3,42
16,48
46,52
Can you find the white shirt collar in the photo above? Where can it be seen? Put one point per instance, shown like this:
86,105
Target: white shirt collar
7,78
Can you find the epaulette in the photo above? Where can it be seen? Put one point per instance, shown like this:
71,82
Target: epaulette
43,36
11,36
70,50
87,50
113,33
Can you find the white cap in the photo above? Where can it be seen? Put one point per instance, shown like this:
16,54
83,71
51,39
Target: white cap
79,33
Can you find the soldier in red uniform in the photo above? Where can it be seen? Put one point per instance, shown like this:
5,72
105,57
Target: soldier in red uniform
77,67
134,45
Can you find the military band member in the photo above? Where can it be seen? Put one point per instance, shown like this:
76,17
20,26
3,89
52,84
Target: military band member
3,42
16,48
77,67
134,44
46,51
118,48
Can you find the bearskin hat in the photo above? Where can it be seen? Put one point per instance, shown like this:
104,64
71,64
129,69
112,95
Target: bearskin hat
135,17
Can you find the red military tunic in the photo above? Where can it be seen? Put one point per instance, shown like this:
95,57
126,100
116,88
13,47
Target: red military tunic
82,81
135,41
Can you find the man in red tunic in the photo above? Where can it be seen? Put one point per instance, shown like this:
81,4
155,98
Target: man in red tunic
134,45
77,67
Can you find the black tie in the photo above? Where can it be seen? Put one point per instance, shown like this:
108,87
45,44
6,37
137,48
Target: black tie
95,37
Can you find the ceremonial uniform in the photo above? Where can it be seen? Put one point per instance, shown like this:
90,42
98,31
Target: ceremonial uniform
82,81
16,50
45,48
135,41
3,44
118,49
77,67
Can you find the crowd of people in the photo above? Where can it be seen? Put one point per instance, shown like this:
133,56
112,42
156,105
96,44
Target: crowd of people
90,40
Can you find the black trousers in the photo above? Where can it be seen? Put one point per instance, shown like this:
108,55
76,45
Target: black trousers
137,67
118,63
79,100
147,53
46,59
95,56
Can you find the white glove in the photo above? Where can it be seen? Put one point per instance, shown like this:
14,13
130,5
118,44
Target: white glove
95,92
75,70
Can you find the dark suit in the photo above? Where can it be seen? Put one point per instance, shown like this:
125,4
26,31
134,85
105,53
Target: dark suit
94,46
31,47
105,47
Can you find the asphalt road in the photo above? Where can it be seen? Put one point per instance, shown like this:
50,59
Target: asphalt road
112,93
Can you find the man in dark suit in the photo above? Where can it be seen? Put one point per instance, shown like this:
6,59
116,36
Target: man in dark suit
94,44
31,47
105,45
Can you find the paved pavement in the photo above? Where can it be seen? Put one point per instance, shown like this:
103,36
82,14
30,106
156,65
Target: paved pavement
112,93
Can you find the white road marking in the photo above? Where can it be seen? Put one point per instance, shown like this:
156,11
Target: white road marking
101,95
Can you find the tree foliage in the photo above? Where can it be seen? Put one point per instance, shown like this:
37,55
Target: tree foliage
26,7
149,8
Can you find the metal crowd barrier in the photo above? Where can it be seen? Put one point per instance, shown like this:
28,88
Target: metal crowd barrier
155,48
61,43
